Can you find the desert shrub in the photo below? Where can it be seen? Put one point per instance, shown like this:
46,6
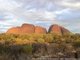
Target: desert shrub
25,36
48,38
40,40
4,48
27,49
77,43
1,48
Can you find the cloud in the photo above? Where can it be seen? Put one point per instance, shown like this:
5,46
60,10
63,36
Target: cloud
8,5
40,12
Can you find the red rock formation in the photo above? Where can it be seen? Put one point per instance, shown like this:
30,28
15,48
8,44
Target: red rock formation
27,28
14,30
40,30
65,31
56,29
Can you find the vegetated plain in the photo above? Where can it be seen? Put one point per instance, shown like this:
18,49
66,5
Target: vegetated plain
29,46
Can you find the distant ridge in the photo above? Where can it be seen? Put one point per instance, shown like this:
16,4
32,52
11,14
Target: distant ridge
30,28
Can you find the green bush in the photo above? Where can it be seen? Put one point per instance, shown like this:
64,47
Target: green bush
40,40
27,49
77,43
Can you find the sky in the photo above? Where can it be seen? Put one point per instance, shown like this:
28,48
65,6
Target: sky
44,13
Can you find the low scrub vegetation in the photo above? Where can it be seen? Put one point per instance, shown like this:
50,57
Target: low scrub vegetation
16,47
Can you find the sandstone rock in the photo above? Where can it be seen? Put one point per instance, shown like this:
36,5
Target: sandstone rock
14,30
56,29
65,31
27,28
40,30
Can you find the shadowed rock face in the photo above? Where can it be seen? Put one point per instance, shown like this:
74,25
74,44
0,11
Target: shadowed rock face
56,29
65,31
39,30
27,28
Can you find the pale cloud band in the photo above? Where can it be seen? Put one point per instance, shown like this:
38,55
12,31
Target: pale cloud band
40,12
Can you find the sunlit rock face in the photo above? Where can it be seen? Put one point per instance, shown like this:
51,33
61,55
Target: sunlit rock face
30,28
27,29
40,30
14,30
56,29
